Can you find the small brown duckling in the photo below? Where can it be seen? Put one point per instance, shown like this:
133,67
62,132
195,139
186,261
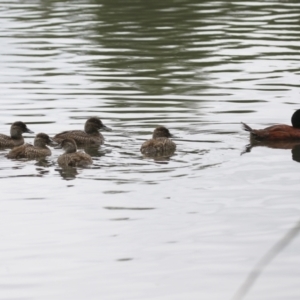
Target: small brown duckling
280,132
90,135
160,144
37,150
15,138
71,157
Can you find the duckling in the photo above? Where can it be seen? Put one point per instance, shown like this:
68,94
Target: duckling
160,144
71,157
280,132
15,138
38,150
90,135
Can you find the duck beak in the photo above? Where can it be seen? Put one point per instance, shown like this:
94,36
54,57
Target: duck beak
28,130
58,146
105,128
52,143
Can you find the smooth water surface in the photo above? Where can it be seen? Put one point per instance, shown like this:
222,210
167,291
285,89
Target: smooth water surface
189,227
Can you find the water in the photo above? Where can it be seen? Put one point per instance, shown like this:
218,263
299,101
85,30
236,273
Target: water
190,227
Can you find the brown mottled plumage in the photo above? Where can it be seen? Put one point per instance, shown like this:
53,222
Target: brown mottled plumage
15,138
90,135
160,144
280,132
71,157
38,150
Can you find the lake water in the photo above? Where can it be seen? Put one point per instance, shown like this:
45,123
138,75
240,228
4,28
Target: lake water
193,226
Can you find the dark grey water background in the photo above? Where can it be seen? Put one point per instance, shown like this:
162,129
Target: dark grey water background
191,227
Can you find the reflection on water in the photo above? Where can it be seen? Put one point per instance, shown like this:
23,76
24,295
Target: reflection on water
95,151
296,153
197,67
294,146
68,173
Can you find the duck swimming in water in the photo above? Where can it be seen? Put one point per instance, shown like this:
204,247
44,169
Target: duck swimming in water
38,150
15,138
280,132
90,136
160,144
71,157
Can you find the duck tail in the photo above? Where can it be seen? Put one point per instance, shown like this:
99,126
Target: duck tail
246,127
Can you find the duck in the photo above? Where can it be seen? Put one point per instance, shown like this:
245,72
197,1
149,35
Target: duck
15,138
37,150
160,144
280,132
72,157
90,136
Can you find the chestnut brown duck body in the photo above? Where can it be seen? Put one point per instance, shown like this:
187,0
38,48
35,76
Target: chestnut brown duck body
90,136
37,150
15,138
72,157
280,132
160,144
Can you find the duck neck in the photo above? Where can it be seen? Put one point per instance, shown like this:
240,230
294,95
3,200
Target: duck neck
91,129
40,144
70,149
15,133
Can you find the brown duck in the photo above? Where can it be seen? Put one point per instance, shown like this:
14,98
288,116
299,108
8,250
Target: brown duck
90,136
280,132
15,138
38,150
71,157
160,144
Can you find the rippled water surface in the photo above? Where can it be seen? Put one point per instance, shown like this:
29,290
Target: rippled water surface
193,226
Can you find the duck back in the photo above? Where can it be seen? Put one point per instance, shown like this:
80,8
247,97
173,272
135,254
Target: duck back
158,147
80,137
280,132
8,142
76,159
28,151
